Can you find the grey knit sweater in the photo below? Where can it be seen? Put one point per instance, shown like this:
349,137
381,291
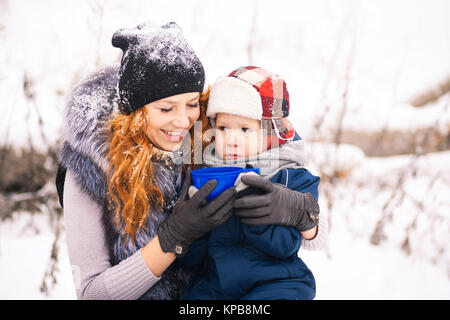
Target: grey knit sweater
94,276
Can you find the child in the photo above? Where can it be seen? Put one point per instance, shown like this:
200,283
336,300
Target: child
238,259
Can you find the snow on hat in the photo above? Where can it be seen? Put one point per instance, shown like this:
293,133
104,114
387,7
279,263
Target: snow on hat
254,93
157,62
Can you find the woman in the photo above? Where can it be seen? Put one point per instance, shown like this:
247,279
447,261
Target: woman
118,178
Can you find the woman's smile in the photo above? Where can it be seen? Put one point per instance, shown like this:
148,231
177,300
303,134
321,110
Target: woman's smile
175,135
170,119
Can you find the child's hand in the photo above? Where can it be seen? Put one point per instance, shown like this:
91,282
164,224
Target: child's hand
238,185
193,218
192,191
277,205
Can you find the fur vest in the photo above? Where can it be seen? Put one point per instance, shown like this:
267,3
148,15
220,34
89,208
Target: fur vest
85,153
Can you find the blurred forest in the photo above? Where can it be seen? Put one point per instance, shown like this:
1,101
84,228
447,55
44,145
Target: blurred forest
369,85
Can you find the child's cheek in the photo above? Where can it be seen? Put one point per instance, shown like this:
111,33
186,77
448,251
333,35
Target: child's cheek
253,145
220,144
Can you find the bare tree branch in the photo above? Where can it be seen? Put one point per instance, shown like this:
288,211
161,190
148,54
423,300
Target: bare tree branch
432,94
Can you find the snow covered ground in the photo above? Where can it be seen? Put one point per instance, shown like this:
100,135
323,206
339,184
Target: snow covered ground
358,270
351,268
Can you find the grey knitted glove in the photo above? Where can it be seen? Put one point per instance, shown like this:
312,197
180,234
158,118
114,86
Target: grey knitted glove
193,218
275,204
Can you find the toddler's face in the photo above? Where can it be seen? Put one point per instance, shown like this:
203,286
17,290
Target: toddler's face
237,137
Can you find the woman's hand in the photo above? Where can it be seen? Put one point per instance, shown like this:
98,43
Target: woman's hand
276,205
193,218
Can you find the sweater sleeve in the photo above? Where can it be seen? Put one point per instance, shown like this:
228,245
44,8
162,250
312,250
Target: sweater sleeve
94,276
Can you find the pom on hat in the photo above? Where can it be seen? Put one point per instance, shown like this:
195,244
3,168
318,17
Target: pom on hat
254,93
157,62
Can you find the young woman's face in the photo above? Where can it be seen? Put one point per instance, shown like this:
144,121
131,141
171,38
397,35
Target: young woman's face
237,137
170,119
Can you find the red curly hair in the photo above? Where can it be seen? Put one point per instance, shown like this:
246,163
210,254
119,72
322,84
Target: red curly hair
131,186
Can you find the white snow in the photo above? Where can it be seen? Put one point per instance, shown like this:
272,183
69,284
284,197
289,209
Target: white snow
351,267
327,157
357,270
396,51
24,254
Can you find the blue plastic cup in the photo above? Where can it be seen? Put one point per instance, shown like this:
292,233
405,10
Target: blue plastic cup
225,176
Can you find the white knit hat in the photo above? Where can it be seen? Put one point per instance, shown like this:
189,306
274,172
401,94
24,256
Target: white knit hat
234,96
254,93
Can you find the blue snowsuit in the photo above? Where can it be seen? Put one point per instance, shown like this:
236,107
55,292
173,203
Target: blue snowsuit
239,261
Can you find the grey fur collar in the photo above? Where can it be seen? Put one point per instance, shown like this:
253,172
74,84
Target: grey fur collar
88,108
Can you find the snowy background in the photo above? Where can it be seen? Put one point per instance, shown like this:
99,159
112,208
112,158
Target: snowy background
354,70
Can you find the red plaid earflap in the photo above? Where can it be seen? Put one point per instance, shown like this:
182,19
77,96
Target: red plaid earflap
274,97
